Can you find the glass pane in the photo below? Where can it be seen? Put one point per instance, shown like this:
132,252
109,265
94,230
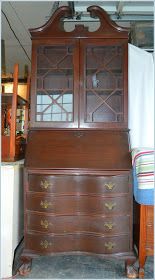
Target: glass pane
60,107
104,84
54,84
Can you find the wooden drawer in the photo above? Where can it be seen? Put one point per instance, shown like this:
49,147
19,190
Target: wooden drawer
149,233
150,215
46,244
77,204
149,228
79,184
69,224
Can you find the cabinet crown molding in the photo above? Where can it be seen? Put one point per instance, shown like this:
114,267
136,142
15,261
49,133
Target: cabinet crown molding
54,26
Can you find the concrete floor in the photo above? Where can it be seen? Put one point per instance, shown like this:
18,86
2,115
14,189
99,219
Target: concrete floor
81,267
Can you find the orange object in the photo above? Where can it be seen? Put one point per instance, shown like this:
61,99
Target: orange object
13,146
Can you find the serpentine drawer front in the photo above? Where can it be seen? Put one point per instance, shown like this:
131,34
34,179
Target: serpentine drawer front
45,244
79,223
83,184
70,204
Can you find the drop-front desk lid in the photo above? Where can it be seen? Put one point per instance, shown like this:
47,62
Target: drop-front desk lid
60,149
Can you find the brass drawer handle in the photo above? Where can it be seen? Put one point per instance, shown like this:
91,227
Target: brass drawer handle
45,204
109,245
109,225
45,184
45,244
109,186
45,224
110,205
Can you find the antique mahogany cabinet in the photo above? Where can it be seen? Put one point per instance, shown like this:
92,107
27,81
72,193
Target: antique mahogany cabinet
78,191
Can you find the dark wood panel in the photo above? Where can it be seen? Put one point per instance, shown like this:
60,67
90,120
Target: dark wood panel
77,204
104,150
69,224
79,184
45,244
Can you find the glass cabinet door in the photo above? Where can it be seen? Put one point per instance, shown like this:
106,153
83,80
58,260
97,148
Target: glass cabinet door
55,103
103,102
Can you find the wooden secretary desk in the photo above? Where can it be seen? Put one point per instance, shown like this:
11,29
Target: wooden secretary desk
78,191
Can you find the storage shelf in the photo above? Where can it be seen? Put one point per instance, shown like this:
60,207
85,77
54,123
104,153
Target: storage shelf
7,99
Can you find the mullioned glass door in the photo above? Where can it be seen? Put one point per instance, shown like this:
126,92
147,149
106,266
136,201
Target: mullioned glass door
55,102
104,90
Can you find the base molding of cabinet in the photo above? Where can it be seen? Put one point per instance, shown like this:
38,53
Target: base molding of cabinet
121,256
129,258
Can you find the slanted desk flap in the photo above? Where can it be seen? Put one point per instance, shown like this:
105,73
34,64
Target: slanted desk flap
104,150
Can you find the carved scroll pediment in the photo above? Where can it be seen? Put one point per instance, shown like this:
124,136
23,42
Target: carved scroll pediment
54,27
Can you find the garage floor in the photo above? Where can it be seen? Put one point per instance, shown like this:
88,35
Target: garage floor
81,267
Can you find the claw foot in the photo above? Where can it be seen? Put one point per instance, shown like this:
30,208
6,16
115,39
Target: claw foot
131,272
25,268
141,273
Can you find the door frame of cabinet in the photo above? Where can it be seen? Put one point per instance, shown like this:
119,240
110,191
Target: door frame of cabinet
103,42
79,82
55,42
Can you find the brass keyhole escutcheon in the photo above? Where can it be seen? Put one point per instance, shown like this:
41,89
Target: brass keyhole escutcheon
79,134
110,205
45,204
110,245
109,186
